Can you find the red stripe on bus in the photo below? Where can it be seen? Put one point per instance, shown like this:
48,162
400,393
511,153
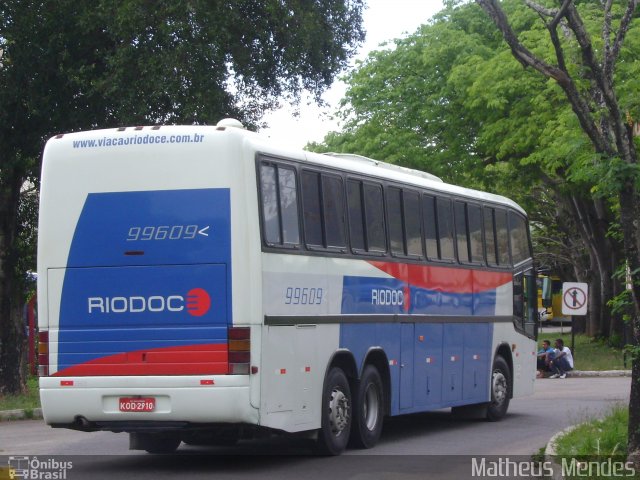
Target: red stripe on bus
183,360
445,279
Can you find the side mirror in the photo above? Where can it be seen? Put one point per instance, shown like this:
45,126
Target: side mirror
546,292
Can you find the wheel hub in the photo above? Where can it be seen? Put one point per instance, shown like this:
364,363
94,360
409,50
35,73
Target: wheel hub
371,406
339,411
499,387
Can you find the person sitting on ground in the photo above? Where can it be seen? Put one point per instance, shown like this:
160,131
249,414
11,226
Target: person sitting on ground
561,360
543,357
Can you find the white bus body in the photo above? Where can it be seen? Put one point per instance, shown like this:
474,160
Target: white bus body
164,310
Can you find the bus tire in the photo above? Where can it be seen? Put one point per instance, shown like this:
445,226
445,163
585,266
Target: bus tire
500,384
368,409
336,406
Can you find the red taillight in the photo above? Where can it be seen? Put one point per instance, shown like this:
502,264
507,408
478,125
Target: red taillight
43,354
239,333
239,350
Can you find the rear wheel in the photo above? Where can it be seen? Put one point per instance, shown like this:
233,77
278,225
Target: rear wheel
368,409
336,413
500,384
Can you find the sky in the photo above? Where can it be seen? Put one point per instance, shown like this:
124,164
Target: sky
383,20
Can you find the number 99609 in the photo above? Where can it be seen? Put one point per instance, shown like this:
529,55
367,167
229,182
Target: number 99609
303,296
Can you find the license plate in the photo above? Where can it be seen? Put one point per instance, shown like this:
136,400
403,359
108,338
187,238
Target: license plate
137,404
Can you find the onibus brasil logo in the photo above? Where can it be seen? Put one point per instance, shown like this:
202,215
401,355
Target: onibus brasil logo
196,302
33,468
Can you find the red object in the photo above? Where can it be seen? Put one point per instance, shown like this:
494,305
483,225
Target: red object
66,383
31,317
206,382
239,333
208,359
137,404
444,279
43,353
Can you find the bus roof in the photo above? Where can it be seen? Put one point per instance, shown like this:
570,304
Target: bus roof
341,161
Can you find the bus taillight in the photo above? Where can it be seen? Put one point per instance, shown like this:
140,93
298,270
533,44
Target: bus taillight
239,350
43,354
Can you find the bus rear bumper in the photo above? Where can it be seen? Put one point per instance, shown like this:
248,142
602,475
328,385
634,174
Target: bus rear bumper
93,403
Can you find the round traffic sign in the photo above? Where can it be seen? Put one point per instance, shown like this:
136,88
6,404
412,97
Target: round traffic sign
574,298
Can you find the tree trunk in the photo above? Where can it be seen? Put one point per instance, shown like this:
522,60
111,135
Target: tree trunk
12,327
630,223
592,227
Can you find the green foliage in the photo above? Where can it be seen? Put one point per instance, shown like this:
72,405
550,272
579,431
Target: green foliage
452,100
597,438
69,65
135,61
29,400
592,353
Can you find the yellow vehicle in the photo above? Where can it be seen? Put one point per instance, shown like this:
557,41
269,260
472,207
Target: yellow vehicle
550,299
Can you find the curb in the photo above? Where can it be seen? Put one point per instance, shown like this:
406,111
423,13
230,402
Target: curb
20,414
600,373
550,452
595,373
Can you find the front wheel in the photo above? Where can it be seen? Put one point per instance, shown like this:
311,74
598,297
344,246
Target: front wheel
500,384
336,413
368,409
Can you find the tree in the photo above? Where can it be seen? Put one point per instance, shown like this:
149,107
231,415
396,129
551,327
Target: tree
591,93
452,100
71,65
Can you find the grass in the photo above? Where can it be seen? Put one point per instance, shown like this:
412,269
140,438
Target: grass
606,437
597,447
590,353
27,401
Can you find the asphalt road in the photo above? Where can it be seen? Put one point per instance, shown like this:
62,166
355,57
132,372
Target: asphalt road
410,445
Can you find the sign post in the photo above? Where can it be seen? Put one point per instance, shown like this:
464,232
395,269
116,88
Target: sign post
574,302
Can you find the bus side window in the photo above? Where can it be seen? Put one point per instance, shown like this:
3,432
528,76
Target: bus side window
490,236
333,209
270,204
311,208
502,237
356,215
412,223
461,232
525,302
445,229
288,205
394,218
374,214
403,221
476,248
323,210
519,236
278,189
430,231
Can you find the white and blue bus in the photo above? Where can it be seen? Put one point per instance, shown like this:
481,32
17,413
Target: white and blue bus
200,284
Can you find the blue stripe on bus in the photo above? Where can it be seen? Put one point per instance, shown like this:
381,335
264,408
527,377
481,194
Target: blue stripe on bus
377,295
431,366
147,270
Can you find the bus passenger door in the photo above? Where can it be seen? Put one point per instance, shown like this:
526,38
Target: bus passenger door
406,365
